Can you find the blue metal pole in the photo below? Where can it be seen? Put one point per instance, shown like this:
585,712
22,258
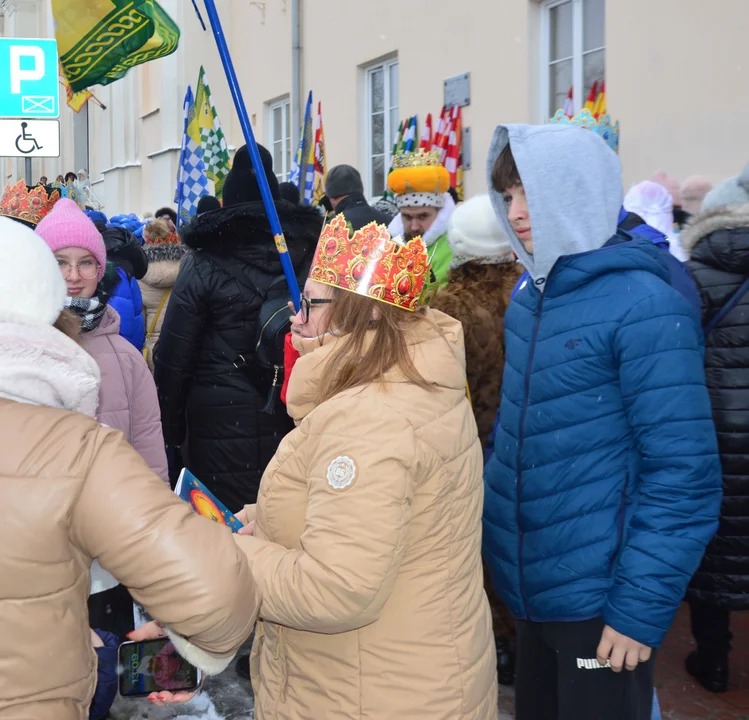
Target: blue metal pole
257,163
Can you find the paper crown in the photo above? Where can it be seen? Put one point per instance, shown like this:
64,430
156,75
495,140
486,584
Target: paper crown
603,126
370,262
418,172
28,206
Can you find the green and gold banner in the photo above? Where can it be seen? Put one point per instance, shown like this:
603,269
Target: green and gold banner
100,40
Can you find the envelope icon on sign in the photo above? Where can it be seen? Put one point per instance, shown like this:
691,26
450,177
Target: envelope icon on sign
38,104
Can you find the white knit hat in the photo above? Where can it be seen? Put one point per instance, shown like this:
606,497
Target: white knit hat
475,235
32,289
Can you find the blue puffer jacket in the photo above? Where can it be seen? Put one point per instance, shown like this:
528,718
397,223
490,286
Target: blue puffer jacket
128,302
604,484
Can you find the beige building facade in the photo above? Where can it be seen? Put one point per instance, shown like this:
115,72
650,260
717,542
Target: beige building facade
676,74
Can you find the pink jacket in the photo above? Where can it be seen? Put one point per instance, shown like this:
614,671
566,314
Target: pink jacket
127,399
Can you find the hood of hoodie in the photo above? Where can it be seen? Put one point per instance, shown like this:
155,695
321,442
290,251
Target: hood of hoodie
243,231
573,184
124,249
720,238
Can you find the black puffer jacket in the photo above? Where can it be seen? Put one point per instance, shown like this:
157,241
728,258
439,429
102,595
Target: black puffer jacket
206,402
718,245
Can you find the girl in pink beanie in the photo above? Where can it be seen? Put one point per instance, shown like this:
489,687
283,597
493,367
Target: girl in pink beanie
127,396
67,226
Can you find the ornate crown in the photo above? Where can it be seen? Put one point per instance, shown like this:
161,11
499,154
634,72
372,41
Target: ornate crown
69,191
27,206
417,158
603,126
371,263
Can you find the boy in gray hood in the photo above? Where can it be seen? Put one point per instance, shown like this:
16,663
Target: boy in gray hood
603,486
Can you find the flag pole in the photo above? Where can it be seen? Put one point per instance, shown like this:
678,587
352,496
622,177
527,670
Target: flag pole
244,121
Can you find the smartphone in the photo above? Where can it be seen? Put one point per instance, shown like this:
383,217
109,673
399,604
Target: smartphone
152,666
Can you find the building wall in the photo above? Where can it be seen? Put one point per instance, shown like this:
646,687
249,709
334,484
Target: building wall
675,73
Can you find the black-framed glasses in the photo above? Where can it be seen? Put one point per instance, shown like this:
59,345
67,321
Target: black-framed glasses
305,304
88,269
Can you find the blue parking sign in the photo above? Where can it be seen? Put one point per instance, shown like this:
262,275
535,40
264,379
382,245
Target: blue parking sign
29,84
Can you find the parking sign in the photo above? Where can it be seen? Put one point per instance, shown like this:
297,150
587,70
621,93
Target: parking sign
29,85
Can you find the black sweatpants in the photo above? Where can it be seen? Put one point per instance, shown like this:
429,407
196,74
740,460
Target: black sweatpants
711,627
557,676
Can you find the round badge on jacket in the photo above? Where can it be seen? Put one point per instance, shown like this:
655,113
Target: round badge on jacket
341,472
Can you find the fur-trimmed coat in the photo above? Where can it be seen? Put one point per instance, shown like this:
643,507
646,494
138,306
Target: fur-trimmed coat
163,267
205,400
717,243
478,296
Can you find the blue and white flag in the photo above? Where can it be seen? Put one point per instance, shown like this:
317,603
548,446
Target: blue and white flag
192,179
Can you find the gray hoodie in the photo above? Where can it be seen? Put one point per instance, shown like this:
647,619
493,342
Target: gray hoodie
573,184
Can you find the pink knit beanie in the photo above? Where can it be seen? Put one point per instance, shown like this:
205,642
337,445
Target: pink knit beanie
671,184
67,226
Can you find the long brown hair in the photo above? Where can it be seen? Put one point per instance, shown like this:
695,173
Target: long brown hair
69,324
358,362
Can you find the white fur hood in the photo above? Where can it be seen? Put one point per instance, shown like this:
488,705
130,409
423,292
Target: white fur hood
41,366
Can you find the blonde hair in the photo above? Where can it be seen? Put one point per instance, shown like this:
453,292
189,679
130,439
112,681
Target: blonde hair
354,362
157,230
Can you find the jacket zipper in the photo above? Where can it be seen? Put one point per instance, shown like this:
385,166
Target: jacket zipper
521,440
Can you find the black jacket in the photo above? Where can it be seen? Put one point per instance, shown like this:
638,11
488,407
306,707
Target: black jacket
206,402
718,245
359,212
124,249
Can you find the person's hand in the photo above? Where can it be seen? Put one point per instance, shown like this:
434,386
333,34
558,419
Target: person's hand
621,651
249,525
248,529
154,631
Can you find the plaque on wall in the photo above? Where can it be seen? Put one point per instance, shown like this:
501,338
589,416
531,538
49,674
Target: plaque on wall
458,90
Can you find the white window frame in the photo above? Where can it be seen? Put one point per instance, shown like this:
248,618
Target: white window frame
286,135
385,66
578,53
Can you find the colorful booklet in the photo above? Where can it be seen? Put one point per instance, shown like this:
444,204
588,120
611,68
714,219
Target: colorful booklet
204,502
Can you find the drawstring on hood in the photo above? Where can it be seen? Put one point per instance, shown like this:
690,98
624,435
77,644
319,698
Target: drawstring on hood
573,185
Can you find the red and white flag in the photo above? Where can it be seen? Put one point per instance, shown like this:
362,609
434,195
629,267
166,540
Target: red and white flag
426,138
453,149
441,128
569,109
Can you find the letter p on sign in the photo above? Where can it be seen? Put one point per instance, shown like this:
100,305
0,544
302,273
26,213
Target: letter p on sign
18,74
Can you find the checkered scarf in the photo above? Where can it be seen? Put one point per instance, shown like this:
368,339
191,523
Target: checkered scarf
89,310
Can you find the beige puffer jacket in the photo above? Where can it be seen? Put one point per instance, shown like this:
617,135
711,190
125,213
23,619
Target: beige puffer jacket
368,549
72,491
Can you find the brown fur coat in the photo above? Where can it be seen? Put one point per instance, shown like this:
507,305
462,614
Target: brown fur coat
478,296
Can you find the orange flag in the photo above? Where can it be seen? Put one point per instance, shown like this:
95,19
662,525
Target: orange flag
591,101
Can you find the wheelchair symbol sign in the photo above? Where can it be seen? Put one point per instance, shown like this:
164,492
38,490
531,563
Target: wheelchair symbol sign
29,138
25,142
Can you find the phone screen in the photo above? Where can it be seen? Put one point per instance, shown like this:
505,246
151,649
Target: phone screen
153,666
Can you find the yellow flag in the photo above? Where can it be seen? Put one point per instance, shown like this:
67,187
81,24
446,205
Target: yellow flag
100,40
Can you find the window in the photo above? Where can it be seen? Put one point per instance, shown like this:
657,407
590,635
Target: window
279,138
574,38
382,122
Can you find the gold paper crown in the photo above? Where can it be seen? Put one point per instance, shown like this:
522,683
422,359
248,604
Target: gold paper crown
28,206
419,158
369,262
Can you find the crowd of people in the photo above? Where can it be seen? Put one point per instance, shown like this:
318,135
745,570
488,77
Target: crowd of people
499,441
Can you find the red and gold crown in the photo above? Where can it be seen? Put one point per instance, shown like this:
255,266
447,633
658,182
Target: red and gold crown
370,262
27,206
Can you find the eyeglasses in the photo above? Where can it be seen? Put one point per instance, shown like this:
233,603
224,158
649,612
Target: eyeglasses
87,270
305,304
